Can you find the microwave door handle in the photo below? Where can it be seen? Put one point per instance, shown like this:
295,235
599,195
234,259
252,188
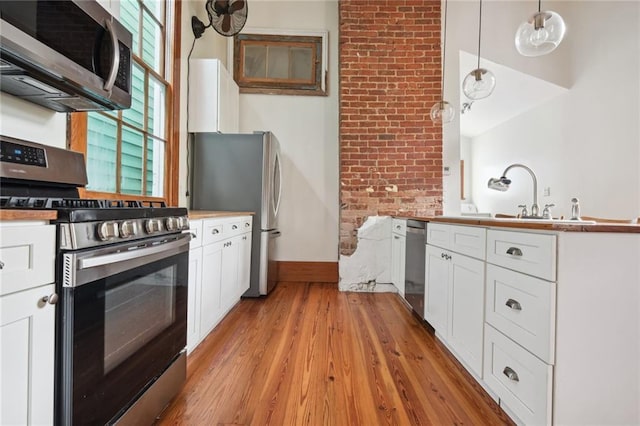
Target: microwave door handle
115,57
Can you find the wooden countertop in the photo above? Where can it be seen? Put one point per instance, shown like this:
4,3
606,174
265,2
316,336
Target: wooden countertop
14,214
551,226
207,214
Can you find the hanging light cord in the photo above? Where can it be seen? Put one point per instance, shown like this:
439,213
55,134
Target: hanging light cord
539,2
479,33
444,48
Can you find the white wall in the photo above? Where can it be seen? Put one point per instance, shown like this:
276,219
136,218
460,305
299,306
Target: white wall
25,120
585,143
307,128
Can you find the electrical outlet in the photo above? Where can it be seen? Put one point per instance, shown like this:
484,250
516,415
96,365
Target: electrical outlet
446,171
547,191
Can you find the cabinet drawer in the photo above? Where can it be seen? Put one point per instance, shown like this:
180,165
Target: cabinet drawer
27,254
195,228
213,230
438,234
468,240
523,308
533,254
399,226
521,380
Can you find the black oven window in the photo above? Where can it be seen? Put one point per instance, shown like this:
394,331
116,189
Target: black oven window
135,313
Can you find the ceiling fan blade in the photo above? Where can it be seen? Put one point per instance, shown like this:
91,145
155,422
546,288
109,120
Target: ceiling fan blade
237,5
226,23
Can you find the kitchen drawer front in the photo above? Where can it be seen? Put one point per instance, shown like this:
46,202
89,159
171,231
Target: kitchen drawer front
28,255
438,235
213,230
523,308
468,240
399,226
244,225
533,254
195,228
522,382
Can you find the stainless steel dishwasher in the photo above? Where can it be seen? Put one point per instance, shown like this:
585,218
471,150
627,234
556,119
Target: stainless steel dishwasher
415,265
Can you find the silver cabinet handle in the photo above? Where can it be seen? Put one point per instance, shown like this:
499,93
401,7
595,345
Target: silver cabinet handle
514,304
234,227
396,237
215,231
1,264
514,251
512,375
52,299
247,224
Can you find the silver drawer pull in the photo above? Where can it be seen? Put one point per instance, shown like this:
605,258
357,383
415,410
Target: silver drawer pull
514,304
215,231
512,375
234,227
396,237
51,299
514,251
1,264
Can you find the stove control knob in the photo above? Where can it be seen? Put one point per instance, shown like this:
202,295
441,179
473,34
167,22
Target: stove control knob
171,223
153,226
128,228
183,223
108,231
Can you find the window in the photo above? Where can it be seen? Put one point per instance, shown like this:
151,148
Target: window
280,63
128,152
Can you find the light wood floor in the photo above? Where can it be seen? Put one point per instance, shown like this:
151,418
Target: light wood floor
310,355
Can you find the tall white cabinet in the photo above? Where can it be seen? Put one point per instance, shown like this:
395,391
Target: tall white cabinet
214,98
219,268
27,322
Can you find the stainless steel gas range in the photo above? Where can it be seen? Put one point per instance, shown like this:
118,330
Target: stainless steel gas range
121,281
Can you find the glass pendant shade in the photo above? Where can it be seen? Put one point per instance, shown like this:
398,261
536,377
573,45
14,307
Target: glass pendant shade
541,34
478,84
442,112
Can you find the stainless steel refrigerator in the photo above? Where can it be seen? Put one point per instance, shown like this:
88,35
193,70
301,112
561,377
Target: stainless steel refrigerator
241,172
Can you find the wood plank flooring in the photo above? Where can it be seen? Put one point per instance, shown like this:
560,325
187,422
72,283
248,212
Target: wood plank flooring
311,355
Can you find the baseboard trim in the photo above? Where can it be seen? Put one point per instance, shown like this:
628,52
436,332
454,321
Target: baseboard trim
309,272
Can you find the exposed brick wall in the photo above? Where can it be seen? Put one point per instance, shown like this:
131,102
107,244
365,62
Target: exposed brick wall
390,150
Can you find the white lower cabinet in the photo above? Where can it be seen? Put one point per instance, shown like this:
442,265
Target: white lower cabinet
398,253
454,290
27,323
219,272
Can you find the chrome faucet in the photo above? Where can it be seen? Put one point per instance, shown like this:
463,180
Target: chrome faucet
502,184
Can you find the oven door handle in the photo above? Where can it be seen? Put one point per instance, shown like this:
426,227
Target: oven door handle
107,259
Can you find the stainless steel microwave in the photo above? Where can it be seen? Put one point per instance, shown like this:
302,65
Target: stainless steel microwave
65,55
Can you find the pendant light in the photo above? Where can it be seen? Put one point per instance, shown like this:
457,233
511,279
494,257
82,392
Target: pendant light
442,111
479,83
541,34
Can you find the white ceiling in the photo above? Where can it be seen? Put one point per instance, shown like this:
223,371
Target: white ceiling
515,93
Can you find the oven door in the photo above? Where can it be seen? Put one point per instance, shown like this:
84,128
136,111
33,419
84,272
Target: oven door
122,321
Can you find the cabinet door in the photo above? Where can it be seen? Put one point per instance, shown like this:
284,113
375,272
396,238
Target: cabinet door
193,308
244,264
27,327
466,314
229,273
437,289
210,306
397,261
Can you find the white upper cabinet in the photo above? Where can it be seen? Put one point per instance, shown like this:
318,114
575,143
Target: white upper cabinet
214,98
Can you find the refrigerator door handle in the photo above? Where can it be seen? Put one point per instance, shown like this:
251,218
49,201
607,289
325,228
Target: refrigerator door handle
276,202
